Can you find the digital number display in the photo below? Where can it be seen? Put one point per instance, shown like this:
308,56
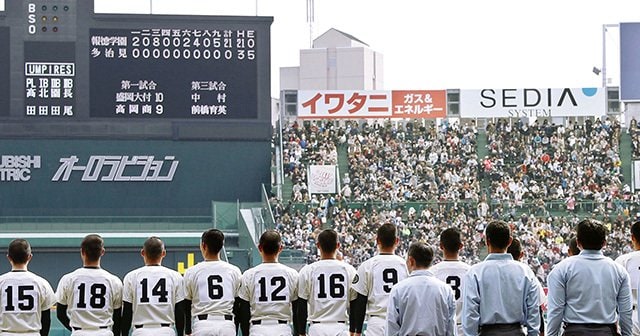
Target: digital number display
203,74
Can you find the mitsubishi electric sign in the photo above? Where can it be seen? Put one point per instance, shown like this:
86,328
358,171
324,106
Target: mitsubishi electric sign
515,103
118,168
58,177
17,168
98,168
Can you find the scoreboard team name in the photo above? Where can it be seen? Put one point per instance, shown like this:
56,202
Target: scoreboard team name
17,168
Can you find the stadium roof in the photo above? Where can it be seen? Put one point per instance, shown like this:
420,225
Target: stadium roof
349,36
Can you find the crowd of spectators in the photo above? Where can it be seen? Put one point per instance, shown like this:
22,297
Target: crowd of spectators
395,163
426,178
544,239
634,131
307,144
557,163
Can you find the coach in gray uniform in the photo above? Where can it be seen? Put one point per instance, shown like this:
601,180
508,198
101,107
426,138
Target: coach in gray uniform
500,294
589,292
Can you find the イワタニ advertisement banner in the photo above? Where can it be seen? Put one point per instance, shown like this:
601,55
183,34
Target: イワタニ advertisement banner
350,104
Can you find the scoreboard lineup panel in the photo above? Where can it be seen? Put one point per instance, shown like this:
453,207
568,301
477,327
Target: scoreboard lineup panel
68,72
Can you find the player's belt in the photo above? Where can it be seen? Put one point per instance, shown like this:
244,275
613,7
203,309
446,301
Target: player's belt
90,328
314,322
259,322
21,332
156,325
203,317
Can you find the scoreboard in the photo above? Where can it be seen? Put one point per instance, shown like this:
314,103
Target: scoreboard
66,72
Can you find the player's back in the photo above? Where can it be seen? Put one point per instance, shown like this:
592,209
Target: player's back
91,294
212,287
376,277
270,288
631,262
452,272
326,285
24,296
153,292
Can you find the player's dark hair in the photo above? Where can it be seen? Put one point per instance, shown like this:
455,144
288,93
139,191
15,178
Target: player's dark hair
573,246
270,242
635,231
92,245
387,235
153,248
451,239
591,234
328,240
498,233
214,240
515,249
19,251
421,253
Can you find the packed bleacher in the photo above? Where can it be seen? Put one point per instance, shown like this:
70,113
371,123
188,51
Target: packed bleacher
540,178
554,162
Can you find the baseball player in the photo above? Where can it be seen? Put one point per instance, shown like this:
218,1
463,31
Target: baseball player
211,289
500,295
26,298
589,292
269,292
90,298
153,296
573,247
451,270
324,288
421,304
373,284
631,262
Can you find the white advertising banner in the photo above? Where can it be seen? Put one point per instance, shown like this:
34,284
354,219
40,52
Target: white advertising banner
323,179
532,103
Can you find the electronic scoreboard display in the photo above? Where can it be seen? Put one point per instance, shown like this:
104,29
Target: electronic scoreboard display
68,72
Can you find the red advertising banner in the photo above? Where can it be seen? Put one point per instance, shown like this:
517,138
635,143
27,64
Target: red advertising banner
419,104
353,104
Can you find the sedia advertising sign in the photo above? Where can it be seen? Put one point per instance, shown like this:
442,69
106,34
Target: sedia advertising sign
514,103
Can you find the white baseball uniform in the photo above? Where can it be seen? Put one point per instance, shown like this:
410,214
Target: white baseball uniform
452,272
375,278
631,262
327,287
212,287
270,288
24,297
91,294
153,292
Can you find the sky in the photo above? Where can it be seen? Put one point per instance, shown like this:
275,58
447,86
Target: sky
441,44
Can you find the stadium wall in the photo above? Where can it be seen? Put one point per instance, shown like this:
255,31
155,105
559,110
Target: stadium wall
127,177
